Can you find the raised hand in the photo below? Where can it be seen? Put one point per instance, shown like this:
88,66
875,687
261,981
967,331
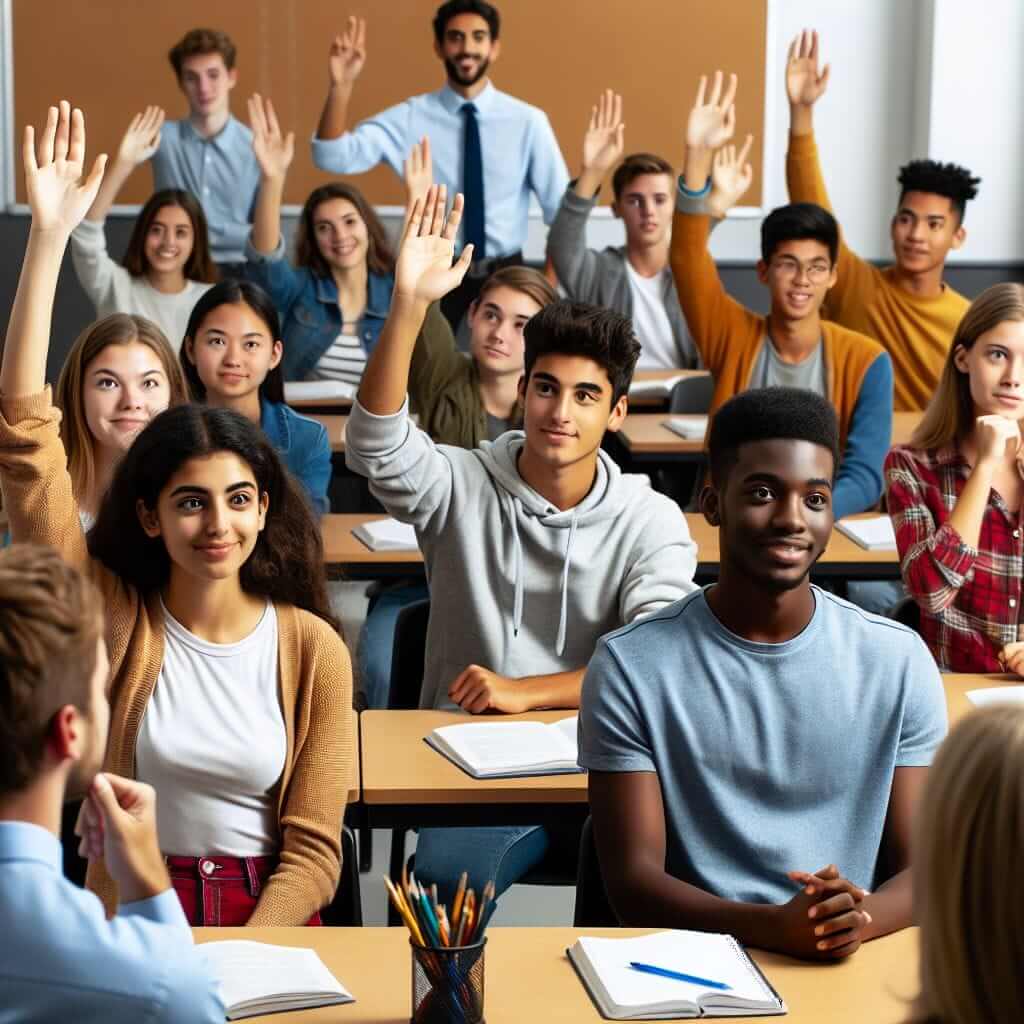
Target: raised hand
142,139
731,176
348,53
418,171
712,120
56,194
805,85
603,143
424,270
274,152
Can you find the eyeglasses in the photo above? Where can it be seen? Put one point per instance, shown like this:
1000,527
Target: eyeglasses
815,271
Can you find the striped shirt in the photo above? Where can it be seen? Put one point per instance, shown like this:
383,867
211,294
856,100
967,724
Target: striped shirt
345,360
969,596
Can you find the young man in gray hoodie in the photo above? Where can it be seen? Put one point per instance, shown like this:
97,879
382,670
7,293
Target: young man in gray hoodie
535,544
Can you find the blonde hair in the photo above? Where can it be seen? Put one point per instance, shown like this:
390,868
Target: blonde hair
116,329
950,414
968,895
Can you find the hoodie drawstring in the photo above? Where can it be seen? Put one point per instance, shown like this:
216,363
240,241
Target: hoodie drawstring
517,604
563,615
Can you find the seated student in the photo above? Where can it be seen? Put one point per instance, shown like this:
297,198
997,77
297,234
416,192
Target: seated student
209,153
793,346
333,301
954,493
968,843
635,279
231,358
907,307
720,733
230,687
167,265
534,544
62,958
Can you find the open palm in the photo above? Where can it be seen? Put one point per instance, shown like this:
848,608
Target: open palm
58,197
142,139
712,120
274,152
805,85
603,142
731,176
424,269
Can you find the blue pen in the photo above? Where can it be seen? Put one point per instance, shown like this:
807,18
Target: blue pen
663,972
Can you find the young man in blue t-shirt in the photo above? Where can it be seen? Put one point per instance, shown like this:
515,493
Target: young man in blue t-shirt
760,728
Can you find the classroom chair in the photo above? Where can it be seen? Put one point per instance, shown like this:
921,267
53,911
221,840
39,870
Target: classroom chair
690,396
346,909
592,908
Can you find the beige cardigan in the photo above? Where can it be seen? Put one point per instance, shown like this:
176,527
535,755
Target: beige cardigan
314,670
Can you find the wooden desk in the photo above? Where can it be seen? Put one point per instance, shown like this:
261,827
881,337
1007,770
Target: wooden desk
658,401
958,684
326,406
407,783
527,976
346,552
335,427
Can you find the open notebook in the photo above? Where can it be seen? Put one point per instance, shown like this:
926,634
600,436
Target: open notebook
655,388
693,428
996,695
317,390
509,750
256,977
623,993
386,535
873,533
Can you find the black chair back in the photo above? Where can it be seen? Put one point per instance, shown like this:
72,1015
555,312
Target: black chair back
692,395
408,655
592,907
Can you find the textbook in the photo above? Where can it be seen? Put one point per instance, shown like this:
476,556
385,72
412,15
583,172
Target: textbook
693,428
317,390
509,750
386,535
257,978
874,533
622,992
996,695
655,388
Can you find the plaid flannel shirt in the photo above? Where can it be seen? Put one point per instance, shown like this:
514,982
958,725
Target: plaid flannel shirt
969,597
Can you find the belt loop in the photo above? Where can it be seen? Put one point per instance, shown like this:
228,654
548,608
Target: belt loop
252,875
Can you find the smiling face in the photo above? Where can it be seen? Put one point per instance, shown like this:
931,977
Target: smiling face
774,511
646,209
496,323
994,365
169,240
233,352
798,275
207,84
925,228
467,49
340,234
209,516
123,388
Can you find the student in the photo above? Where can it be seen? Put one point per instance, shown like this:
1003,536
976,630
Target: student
907,307
209,153
334,299
634,280
717,788
495,149
230,688
62,957
793,346
231,359
534,544
954,493
968,842
167,265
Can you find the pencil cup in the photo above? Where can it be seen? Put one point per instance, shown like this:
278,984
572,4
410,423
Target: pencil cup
448,984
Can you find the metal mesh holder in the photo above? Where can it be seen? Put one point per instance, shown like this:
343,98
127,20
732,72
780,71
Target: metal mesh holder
448,984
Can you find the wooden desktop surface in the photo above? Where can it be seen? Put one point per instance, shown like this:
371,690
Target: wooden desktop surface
335,427
958,684
528,977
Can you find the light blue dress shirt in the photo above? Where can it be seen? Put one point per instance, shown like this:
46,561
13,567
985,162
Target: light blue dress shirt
221,172
64,961
520,155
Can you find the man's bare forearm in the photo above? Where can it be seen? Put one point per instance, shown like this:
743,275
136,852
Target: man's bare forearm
335,113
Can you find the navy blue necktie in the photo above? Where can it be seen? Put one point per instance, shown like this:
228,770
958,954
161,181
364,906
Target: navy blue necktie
473,184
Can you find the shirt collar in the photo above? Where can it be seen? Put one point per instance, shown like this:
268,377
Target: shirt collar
231,125
21,840
452,101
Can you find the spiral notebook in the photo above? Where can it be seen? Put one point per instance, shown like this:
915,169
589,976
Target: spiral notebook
623,993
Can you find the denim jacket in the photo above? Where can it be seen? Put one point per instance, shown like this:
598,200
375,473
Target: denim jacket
303,445
308,307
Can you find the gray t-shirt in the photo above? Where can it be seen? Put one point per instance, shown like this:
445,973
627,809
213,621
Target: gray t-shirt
772,372
495,426
771,757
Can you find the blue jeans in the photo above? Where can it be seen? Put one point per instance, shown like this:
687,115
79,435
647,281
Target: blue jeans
377,641
500,853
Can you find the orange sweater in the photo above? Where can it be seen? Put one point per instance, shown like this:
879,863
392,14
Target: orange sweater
314,671
916,331
729,336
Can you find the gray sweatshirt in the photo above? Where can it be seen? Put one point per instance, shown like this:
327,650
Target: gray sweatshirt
516,585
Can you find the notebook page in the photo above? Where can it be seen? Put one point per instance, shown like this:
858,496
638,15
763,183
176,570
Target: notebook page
567,729
494,746
996,695
317,390
693,428
873,532
389,533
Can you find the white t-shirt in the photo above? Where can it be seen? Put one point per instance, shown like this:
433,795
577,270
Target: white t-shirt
344,360
650,321
213,743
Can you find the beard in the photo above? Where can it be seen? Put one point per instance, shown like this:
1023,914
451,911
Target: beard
455,75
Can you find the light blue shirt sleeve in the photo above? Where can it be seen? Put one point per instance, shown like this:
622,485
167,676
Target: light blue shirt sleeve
548,175
925,713
383,138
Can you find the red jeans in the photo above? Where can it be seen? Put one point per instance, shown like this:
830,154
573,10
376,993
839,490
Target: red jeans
221,890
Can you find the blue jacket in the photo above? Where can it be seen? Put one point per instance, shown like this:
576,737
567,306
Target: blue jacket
308,307
303,445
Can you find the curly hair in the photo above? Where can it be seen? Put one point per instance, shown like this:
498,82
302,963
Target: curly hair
954,182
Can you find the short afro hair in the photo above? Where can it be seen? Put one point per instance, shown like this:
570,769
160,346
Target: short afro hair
579,329
453,8
954,182
767,414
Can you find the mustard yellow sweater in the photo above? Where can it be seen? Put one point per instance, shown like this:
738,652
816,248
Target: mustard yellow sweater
314,666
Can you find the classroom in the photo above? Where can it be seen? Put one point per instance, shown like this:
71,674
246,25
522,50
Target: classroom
492,494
